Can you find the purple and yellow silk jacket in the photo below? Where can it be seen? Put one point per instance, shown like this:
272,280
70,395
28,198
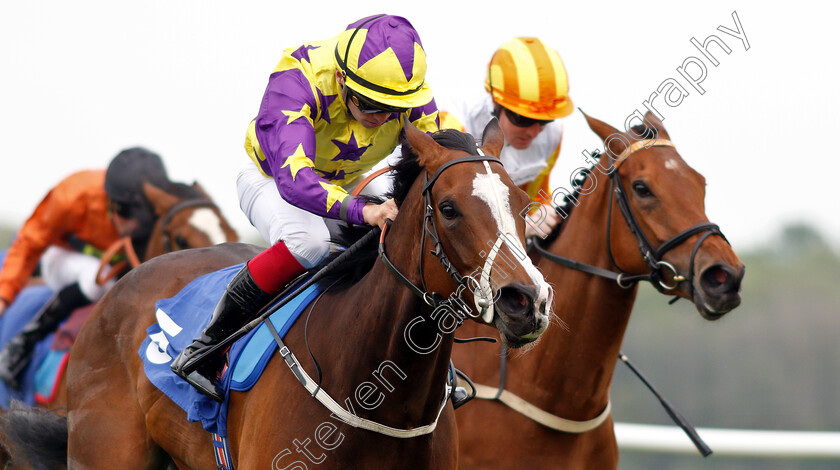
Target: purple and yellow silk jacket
305,138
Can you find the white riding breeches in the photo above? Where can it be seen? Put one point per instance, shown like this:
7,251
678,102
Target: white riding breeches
61,267
306,235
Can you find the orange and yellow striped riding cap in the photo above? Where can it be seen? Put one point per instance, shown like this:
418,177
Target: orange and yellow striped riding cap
529,79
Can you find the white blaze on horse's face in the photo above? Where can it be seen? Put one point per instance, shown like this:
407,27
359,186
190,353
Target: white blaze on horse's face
672,164
489,188
205,220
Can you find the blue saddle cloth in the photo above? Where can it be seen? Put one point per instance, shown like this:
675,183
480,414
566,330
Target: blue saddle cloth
14,318
180,319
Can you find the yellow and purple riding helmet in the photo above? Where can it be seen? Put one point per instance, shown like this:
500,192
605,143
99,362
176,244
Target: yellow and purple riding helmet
382,59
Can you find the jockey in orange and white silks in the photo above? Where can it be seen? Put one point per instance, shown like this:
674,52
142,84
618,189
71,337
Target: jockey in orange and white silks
77,208
332,109
72,226
81,216
528,90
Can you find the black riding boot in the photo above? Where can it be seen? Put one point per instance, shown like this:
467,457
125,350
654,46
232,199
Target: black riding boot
17,354
241,300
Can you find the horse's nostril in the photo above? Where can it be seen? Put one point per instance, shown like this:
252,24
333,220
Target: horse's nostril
522,299
516,299
719,279
542,306
715,277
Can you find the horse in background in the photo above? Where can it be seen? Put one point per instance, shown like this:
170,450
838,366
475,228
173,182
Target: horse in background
187,218
394,321
638,215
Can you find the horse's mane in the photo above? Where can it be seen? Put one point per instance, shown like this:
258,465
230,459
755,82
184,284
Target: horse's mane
641,130
404,173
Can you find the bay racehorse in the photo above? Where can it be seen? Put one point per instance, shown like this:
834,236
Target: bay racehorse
383,340
186,218
645,222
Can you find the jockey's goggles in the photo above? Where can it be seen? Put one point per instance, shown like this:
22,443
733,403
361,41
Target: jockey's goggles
121,209
519,120
368,106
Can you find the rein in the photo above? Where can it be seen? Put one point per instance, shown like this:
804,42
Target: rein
123,244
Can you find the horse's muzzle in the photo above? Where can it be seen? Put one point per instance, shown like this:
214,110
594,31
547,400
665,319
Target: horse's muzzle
718,290
521,314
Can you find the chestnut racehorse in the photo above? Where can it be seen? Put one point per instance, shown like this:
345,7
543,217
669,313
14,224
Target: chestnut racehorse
567,376
187,218
394,324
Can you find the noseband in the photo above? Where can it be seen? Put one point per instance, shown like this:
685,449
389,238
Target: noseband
433,299
173,211
652,256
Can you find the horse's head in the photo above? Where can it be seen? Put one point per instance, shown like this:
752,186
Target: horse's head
659,222
468,205
187,218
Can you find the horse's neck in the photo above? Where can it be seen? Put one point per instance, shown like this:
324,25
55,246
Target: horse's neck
595,310
387,334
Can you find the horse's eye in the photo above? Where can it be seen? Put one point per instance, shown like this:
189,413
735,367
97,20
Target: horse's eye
447,210
641,189
181,242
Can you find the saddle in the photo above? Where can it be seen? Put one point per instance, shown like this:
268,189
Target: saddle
181,318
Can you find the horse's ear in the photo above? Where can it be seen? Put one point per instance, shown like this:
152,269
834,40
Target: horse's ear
200,190
605,131
160,199
655,122
424,146
492,139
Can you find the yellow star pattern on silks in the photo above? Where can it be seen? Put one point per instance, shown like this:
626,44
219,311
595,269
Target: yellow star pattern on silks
295,115
334,194
297,160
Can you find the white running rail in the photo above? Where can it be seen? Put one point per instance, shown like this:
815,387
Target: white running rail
734,442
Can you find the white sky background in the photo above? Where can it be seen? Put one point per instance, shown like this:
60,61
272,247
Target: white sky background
79,81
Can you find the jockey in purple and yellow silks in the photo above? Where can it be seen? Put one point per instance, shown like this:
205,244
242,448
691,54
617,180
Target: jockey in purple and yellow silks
331,111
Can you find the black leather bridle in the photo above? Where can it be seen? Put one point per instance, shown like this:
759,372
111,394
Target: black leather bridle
433,299
652,256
